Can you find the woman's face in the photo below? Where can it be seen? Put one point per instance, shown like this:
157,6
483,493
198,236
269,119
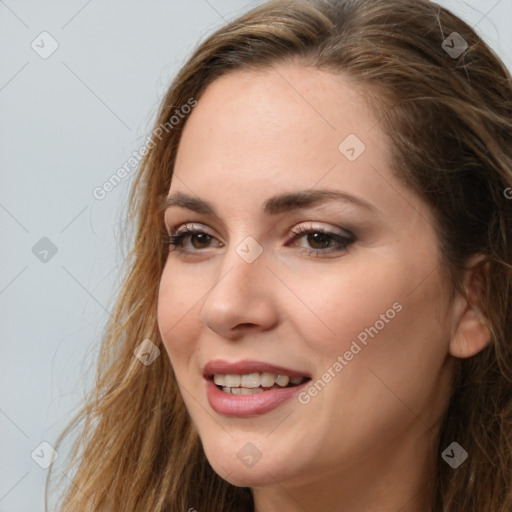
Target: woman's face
283,278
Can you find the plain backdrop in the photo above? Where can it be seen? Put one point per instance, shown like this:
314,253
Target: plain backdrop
68,121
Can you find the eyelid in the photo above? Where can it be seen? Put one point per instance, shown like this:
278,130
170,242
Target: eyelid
189,226
178,228
313,225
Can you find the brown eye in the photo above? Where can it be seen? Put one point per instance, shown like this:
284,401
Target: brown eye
202,240
321,242
199,240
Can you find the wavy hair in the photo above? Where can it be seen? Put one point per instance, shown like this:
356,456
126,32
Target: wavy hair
448,119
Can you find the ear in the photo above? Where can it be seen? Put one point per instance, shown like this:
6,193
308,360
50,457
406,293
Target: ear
471,333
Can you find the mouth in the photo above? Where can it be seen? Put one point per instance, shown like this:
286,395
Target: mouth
253,383
250,388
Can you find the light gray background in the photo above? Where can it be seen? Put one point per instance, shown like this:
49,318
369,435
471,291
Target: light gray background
67,124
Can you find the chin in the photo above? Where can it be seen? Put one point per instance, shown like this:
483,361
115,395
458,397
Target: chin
246,466
260,475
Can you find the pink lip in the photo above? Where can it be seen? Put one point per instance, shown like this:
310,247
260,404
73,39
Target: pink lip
244,406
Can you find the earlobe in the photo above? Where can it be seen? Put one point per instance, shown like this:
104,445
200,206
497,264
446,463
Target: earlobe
472,333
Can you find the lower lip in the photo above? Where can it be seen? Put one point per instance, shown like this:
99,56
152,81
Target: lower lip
244,406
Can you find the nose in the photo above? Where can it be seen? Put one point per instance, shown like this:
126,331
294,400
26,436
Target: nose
242,296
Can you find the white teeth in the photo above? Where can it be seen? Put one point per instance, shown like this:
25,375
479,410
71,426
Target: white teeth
247,391
267,380
242,391
251,380
282,380
232,381
219,379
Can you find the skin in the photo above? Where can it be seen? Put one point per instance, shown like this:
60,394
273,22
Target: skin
365,442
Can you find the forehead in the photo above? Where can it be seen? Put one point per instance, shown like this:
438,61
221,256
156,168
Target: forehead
254,134
284,107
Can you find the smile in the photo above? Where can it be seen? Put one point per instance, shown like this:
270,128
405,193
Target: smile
250,388
252,383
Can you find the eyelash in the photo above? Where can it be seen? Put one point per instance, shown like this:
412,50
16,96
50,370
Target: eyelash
175,242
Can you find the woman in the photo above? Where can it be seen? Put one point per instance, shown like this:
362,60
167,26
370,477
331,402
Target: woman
317,310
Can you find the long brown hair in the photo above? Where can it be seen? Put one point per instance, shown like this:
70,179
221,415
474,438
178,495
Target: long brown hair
448,117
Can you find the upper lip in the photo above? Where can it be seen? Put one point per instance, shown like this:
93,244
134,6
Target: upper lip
220,366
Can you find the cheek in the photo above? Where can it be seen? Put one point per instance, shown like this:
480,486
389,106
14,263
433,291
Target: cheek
395,376
394,349
377,316
334,308
175,311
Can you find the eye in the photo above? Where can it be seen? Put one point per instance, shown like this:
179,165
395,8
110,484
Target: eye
322,241
198,238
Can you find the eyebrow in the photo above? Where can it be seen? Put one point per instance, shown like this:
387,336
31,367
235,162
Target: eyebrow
274,205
